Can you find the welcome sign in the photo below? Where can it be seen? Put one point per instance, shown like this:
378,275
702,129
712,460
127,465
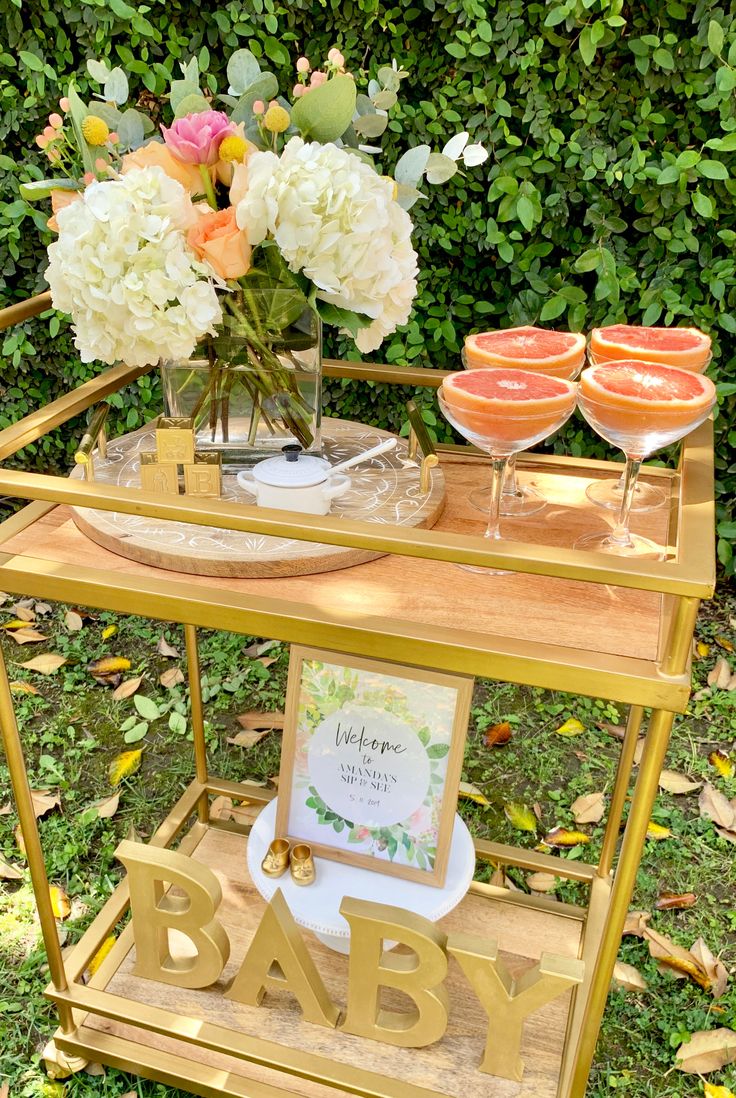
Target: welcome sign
371,761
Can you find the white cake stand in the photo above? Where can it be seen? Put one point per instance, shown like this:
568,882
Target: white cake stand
316,906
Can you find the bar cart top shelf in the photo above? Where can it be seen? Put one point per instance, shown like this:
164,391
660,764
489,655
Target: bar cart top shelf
542,629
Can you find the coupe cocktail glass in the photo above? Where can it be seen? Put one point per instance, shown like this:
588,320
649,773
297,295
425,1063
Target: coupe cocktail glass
609,493
517,499
503,428
639,407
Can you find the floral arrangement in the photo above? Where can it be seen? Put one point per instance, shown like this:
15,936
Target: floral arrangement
162,237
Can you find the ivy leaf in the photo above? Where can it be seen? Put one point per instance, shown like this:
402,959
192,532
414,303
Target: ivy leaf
587,46
715,37
702,204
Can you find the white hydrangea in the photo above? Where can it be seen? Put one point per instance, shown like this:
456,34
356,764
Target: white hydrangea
123,269
335,220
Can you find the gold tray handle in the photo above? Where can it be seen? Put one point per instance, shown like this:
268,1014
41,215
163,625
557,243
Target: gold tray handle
419,441
95,435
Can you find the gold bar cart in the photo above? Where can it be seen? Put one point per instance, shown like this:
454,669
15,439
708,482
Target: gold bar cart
565,620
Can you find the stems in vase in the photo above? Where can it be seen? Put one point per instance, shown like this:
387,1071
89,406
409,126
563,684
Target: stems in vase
620,533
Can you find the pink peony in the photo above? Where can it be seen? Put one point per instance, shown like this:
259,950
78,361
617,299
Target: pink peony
195,139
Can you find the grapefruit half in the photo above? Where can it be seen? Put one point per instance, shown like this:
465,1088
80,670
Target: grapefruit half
634,398
688,348
556,353
506,404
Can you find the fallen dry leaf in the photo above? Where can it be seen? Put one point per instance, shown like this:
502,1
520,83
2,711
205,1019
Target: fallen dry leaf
60,903
561,836
73,621
636,923
109,631
716,807
542,882
42,608
673,782
616,730
256,719
94,1069
107,807
247,738
638,750
725,643
520,817
727,834
707,1050
246,812
628,977
108,665
28,636
720,674
675,901
656,831
101,953
711,1091
266,661
45,664
171,678
571,727
723,764
701,649
126,688
23,612
501,879
470,793
497,735
43,801
165,649
220,808
588,809
124,765
9,872
713,968
23,688
5,809
15,623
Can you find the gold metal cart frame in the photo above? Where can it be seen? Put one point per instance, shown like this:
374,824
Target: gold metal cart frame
661,683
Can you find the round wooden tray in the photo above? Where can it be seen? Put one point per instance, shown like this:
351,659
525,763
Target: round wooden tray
384,489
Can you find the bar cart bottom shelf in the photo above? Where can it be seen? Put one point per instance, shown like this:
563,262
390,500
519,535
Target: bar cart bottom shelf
448,1068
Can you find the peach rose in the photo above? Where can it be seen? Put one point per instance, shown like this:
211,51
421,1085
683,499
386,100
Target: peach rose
155,154
60,199
217,239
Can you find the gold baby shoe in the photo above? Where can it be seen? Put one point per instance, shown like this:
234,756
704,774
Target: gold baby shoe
276,861
302,867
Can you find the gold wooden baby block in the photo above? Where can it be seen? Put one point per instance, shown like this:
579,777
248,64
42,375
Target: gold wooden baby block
203,476
162,478
175,440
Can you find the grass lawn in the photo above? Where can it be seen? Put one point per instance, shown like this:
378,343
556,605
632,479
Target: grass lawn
73,729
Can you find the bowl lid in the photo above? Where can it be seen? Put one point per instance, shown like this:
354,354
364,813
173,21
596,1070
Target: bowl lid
292,469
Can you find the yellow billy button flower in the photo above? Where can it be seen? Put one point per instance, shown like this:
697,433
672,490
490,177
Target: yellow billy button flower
233,149
94,130
276,119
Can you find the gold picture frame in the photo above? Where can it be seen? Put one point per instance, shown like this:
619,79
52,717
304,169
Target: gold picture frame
363,741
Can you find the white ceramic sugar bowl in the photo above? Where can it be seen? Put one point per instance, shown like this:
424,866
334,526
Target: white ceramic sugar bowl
294,482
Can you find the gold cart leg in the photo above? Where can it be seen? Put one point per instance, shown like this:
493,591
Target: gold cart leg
195,697
620,788
645,792
34,854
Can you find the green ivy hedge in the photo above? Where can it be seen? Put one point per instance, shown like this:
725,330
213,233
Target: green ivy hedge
609,193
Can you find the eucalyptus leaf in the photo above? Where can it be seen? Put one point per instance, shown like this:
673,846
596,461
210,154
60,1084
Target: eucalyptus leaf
242,71
410,167
116,87
191,104
370,125
327,111
473,155
455,145
408,196
385,100
439,168
42,188
179,89
98,70
109,114
130,129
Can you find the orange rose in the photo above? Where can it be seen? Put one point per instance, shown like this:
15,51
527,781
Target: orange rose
60,199
217,239
156,154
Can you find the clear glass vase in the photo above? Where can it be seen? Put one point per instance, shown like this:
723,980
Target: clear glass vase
256,386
